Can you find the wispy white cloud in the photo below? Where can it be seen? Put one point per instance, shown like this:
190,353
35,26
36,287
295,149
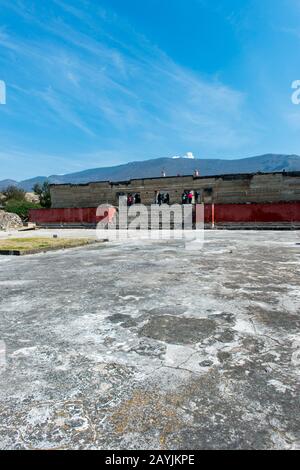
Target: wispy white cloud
62,111
110,84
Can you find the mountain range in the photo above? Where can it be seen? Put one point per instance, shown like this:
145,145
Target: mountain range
171,166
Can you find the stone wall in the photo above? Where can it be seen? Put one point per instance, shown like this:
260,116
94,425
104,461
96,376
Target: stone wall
230,189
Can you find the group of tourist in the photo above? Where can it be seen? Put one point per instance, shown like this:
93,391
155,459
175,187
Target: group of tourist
133,199
162,198
189,197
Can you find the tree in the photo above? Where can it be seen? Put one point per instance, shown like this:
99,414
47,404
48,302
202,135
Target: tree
43,192
15,202
20,207
14,193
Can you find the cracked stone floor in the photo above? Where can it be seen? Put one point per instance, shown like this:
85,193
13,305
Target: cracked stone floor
149,346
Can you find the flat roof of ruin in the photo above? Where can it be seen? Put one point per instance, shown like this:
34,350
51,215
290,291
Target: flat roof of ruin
230,176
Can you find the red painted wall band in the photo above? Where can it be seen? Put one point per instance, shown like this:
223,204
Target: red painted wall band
67,216
272,212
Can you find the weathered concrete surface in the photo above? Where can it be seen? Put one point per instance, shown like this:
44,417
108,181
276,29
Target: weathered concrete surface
151,346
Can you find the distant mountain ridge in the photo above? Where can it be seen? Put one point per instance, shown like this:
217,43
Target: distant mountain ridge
172,166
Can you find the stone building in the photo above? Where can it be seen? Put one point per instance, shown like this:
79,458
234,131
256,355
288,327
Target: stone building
222,189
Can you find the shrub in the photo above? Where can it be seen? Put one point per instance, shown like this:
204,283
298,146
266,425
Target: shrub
12,192
20,207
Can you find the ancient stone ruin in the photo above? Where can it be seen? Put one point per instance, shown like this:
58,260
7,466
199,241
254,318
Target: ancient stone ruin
9,221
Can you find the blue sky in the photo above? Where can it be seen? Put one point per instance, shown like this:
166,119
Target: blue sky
97,83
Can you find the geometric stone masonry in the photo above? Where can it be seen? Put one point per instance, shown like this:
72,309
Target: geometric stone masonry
222,189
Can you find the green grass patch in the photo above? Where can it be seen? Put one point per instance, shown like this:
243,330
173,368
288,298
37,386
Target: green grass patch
41,243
